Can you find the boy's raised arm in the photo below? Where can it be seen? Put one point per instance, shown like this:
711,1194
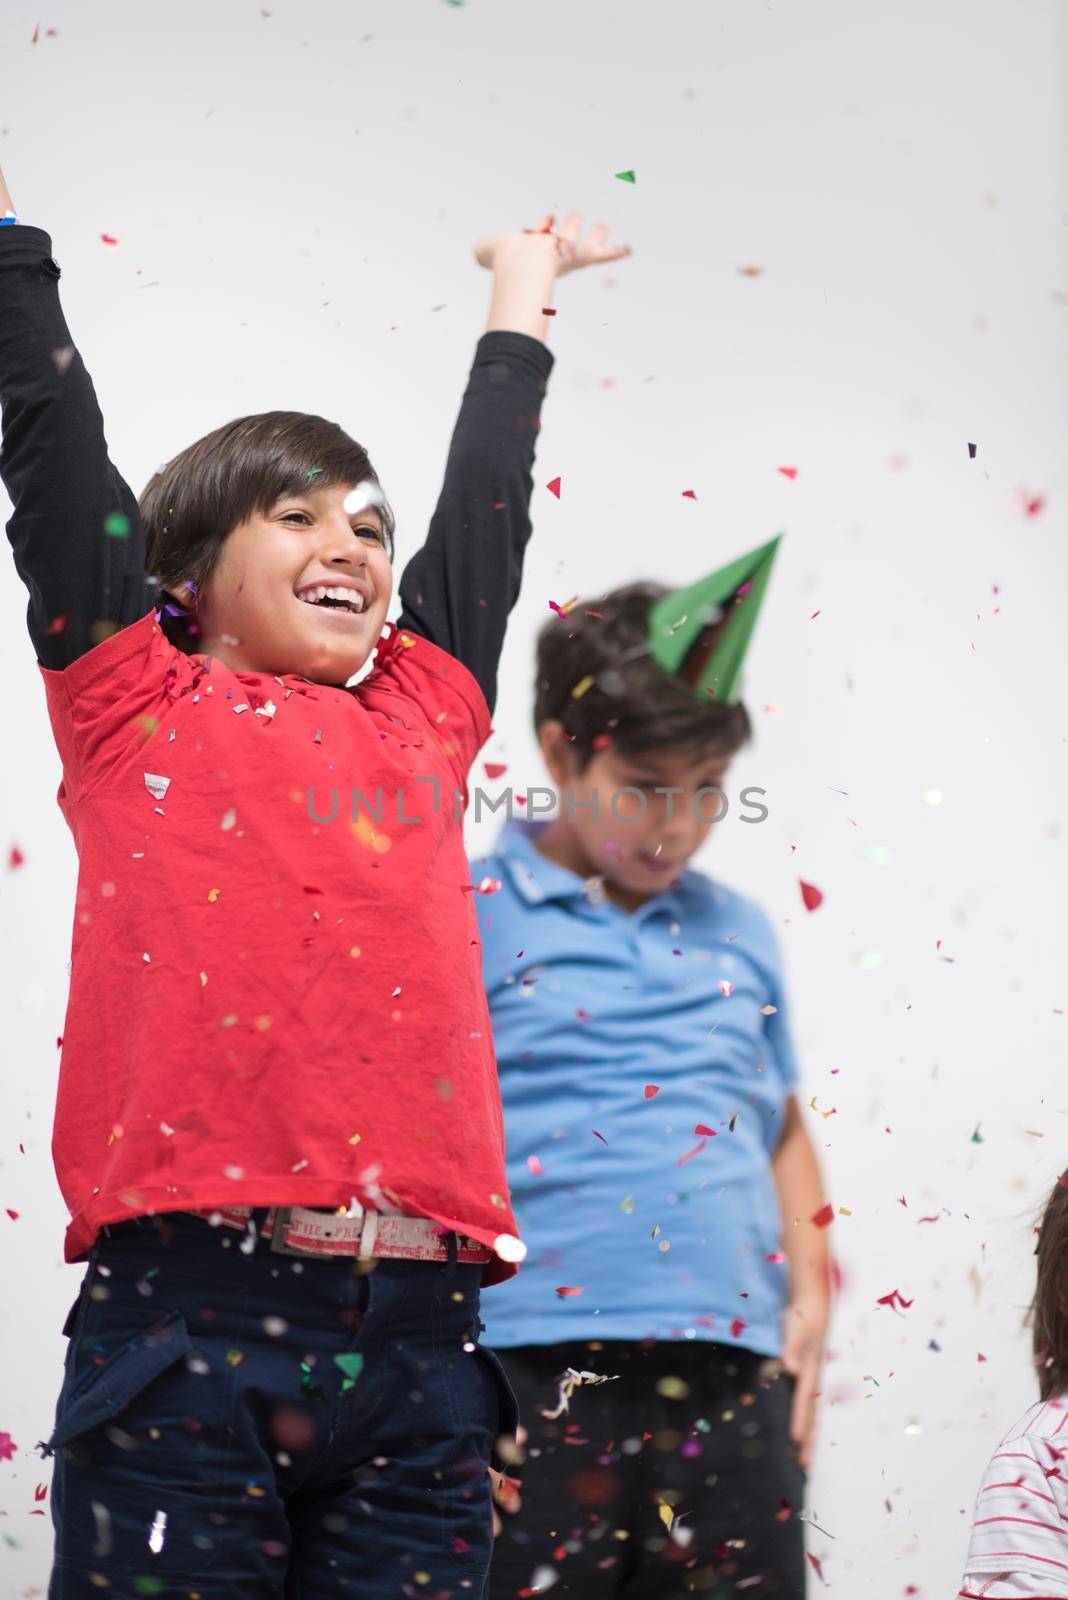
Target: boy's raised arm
459,588
75,530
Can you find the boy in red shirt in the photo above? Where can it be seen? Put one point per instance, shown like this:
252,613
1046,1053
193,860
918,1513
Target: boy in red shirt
277,1069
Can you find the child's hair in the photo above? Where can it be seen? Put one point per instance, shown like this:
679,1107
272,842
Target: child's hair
602,650
192,504
1049,1309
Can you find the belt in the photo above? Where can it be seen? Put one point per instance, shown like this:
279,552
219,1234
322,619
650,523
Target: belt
367,1235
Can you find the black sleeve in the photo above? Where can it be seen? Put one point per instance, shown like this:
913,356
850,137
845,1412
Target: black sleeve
458,589
83,566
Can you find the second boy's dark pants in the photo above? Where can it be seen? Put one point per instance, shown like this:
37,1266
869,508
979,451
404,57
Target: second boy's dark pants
693,1430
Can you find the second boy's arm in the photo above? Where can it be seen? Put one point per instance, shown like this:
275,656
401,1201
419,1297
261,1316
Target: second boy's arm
75,531
796,1170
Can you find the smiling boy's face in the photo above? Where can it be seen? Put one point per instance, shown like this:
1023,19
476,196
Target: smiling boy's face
638,851
263,608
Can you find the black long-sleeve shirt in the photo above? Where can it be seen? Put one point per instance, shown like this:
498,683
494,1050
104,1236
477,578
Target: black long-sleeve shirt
456,591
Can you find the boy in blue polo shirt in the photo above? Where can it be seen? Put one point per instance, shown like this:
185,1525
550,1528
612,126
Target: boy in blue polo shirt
664,1182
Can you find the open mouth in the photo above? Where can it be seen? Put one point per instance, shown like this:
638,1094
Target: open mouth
347,602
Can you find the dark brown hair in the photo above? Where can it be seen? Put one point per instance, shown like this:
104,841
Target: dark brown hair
601,649
1049,1309
192,504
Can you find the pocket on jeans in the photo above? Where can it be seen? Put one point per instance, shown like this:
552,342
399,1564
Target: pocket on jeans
508,1418
103,1394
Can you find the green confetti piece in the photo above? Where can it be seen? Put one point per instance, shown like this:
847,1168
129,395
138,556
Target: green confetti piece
147,1585
628,176
880,854
313,472
351,1364
977,1137
116,526
868,959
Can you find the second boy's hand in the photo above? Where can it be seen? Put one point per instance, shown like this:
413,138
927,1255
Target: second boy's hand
526,265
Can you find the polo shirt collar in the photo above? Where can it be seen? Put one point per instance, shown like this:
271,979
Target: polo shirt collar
538,879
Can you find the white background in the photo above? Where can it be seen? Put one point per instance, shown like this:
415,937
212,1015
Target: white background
296,195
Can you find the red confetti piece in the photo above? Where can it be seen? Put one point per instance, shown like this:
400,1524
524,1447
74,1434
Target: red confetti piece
568,1291
461,1546
12,1214
109,240
651,1090
601,741
817,1568
776,1256
696,1151
554,487
689,494
548,311
895,1300
823,1217
787,472
56,625
15,857
812,896
495,769
535,1165
7,1447
726,988
488,886
737,1327
980,1356
40,1491
36,34
597,1135
708,1133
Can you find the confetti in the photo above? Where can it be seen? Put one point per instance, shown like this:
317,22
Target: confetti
787,472
116,526
696,1151
495,769
972,449
651,1090
812,897
823,1217
15,857
597,1135
156,785
689,494
894,1300
570,1380
568,1291
738,1327
751,272
726,988
629,176
701,1131
509,1248
109,241
554,487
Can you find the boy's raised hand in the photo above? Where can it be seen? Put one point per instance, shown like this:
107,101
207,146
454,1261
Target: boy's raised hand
564,245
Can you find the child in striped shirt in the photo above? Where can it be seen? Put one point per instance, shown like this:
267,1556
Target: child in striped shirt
1019,1543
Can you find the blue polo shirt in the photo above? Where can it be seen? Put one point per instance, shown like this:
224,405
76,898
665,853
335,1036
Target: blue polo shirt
660,1207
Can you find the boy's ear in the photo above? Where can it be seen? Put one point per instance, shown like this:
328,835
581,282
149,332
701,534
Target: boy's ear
556,752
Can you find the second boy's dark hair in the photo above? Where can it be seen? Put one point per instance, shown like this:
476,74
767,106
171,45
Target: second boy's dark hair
597,676
1049,1309
192,504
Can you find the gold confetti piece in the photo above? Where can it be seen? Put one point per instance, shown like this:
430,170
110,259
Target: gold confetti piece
768,1011
580,688
203,979
667,1516
627,1205
844,1211
213,895
356,1138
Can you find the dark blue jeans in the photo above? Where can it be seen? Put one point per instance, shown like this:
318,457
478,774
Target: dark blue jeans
241,1424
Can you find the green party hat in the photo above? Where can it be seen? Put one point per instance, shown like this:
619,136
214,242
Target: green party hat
701,634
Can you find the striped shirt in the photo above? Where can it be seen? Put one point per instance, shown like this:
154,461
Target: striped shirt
1019,1544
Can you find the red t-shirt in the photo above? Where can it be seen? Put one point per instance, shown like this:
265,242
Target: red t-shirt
266,1008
